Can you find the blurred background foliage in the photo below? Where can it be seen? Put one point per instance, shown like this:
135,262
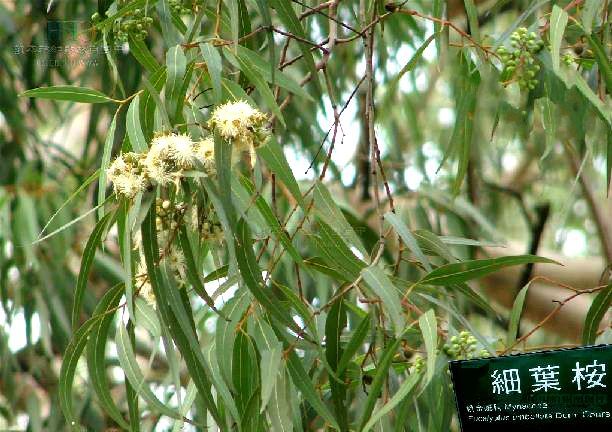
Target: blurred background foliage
474,167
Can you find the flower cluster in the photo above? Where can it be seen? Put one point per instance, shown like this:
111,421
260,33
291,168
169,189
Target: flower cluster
518,63
168,157
241,124
464,346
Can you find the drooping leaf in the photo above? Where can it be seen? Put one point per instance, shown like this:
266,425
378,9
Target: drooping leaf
68,93
558,21
429,329
382,286
599,308
467,270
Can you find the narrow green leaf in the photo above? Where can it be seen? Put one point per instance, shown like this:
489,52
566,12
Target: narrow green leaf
132,371
334,325
415,58
170,305
270,368
558,21
86,260
374,392
408,238
515,314
290,19
193,275
467,270
265,69
251,274
382,286
213,64
603,60
141,53
589,11
303,382
273,155
429,329
134,128
472,14
75,349
68,93
354,344
599,308
96,353
72,196
176,65
403,392
327,209
106,157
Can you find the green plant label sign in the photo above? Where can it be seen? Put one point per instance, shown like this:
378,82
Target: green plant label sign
547,389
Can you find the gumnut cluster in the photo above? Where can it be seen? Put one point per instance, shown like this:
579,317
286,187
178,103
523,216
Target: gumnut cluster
184,7
518,62
418,364
168,157
134,23
464,346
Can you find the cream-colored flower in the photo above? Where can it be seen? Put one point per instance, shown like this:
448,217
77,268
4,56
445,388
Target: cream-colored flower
237,122
158,169
125,175
161,147
182,151
205,153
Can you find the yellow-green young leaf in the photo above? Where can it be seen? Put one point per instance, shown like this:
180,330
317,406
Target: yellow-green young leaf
68,93
467,270
558,21
429,329
515,314
599,307
75,349
382,286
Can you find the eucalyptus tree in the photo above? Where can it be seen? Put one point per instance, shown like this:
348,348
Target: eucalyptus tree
289,215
